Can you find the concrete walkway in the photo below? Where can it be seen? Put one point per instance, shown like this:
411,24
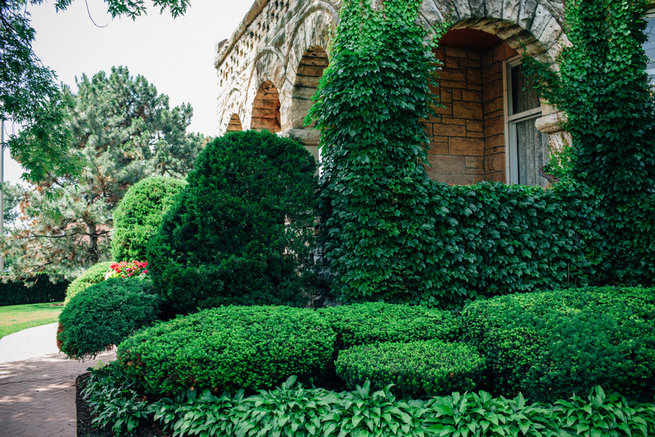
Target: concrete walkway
37,384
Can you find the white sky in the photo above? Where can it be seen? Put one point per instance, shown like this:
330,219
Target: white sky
176,55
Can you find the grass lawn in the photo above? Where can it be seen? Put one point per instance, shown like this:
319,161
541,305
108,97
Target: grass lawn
14,318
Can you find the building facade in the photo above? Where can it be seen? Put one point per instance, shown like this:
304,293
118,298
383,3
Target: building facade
492,125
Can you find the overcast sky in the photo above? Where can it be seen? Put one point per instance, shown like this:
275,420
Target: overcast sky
176,55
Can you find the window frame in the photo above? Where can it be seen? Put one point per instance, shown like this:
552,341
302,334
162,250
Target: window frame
511,142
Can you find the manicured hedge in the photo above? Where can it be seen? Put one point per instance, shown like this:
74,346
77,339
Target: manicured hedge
104,315
42,290
93,275
229,348
291,410
417,369
550,344
139,214
373,322
241,230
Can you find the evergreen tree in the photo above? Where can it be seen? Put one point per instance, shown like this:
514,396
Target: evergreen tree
121,130
28,92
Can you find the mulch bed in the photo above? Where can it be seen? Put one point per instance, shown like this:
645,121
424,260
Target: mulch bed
85,429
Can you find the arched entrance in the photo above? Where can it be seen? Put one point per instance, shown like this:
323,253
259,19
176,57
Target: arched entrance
266,108
235,124
486,127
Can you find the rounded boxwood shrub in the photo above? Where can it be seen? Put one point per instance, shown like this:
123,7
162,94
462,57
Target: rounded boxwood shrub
372,322
551,344
93,275
229,348
139,214
104,315
241,230
418,368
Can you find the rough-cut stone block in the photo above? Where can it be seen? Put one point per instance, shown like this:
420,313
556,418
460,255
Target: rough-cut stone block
470,110
474,126
449,130
438,147
466,146
495,162
466,179
448,164
471,96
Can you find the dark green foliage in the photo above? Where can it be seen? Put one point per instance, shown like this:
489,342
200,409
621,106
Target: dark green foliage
291,410
376,224
603,87
42,290
229,348
93,275
139,214
417,368
499,239
550,344
225,240
105,314
373,322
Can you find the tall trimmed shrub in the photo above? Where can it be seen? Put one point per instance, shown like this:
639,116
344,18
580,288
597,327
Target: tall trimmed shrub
93,275
378,232
241,231
139,214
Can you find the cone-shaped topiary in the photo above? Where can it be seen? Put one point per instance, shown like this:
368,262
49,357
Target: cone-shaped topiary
241,230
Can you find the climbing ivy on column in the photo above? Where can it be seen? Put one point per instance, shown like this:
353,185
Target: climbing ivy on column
378,231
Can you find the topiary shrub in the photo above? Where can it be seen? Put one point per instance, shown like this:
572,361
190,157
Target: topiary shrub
418,368
229,348
548,345
92,275
139,214
241,230
104,315
374,322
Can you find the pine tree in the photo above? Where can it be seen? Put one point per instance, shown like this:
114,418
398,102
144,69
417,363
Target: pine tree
121,130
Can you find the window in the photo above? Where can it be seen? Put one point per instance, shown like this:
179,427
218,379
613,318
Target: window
527,146
649,46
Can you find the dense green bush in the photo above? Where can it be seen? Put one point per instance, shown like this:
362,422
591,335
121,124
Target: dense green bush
42,290
241,230
229,348
417,368
92,275
105,314
139,214
500,239
374,322
550,344
293,410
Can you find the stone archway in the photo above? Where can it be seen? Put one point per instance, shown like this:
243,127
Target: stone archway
309,72
266,108
234,125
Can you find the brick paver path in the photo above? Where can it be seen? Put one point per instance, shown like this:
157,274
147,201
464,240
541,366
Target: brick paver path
37,395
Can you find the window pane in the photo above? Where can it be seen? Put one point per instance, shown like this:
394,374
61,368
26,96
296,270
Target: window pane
532,149
649,46
524,96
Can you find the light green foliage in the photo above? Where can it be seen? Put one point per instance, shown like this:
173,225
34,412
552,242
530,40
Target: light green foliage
139,214
376,223
550,344
373,322
229,348
242,230
603,87
92,275
121,130
105,314
416,369
293,410
29,94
